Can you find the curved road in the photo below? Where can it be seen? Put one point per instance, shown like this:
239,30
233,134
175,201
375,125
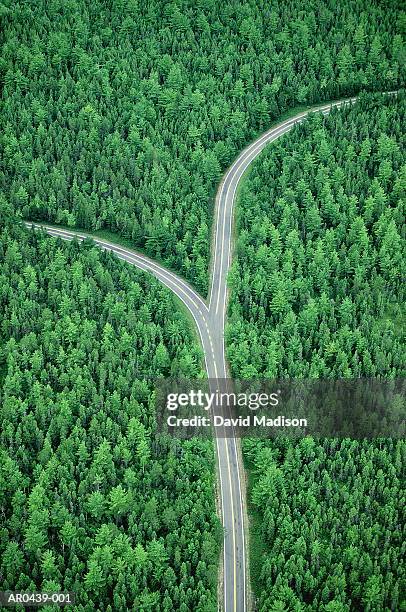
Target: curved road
210,320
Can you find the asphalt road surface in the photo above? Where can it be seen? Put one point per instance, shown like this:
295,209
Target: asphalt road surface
210,320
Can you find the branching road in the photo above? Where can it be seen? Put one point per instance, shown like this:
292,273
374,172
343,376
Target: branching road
210,320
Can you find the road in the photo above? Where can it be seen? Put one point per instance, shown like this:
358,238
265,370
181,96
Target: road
210,321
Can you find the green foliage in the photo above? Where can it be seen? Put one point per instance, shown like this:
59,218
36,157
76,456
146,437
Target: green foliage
318,282
92,500
123,116
318,291
331,520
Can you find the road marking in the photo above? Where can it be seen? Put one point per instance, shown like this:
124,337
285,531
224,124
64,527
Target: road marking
222,515
232,504
233,528
239,172
254,149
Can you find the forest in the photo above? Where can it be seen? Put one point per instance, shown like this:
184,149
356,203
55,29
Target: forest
318,292
330,520
92,500
318,278
123,115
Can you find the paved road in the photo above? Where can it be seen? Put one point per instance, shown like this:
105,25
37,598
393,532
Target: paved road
210,320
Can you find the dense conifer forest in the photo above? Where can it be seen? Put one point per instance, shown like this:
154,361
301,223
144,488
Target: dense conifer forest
91,500
124,114
318,291
318,282
329,524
